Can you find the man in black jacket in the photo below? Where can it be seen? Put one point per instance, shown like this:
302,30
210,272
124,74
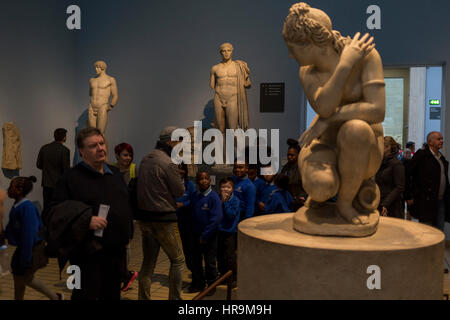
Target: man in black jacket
53,160
100,186
428,191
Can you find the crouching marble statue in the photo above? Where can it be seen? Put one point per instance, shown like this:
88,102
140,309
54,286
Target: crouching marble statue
343,148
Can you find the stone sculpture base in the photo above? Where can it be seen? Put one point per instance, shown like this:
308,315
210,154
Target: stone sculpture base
324,221
276,262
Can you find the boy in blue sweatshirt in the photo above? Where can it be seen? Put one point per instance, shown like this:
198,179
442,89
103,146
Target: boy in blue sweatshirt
207,214
269,187
227,240
184,215
244,190
280,200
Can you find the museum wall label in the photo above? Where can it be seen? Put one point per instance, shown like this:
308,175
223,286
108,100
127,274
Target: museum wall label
272,97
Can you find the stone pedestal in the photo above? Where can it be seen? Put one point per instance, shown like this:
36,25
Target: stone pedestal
276,262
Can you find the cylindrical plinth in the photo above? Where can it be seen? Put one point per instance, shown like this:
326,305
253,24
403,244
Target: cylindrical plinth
278,263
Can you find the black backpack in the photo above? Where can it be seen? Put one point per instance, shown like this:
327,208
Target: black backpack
132,196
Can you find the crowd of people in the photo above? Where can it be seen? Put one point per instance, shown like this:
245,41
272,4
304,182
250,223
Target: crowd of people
90,210
417,179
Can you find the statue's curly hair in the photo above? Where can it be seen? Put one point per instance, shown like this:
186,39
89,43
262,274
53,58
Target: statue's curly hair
300,27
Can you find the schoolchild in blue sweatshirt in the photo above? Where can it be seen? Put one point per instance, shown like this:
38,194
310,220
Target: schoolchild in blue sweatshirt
184,214
244,190
22,231
280,200
259,183
269,187
207,215
227,239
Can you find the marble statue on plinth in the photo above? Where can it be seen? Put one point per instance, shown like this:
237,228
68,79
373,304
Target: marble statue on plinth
230,79
343,148
101,89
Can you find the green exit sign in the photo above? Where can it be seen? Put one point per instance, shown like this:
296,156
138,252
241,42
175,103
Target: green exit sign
435,102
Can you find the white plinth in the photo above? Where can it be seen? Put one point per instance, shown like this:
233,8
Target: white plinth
276,262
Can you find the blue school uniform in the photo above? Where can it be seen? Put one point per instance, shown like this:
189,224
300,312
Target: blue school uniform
280,201
184,212
259,184
184,215
245,190
207,213
266,192
231,212
22,231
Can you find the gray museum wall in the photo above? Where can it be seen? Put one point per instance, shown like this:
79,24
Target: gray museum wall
37,78
161,53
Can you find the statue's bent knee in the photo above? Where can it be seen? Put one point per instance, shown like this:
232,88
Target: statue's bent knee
320,181
355,133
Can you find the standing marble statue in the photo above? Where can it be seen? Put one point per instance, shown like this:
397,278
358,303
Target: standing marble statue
343,148
12,155
101,88
230,79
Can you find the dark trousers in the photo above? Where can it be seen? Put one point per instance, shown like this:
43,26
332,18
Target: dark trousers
438,221
47,194
185,229
208,252
100,275
226,253
125,273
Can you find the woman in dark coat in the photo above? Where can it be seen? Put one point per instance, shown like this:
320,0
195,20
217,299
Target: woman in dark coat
391,180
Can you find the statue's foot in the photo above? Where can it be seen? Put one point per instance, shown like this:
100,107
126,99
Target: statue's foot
350,214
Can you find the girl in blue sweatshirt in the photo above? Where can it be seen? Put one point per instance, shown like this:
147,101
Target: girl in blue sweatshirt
184,214
22,231
207,214
280,200
227,239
